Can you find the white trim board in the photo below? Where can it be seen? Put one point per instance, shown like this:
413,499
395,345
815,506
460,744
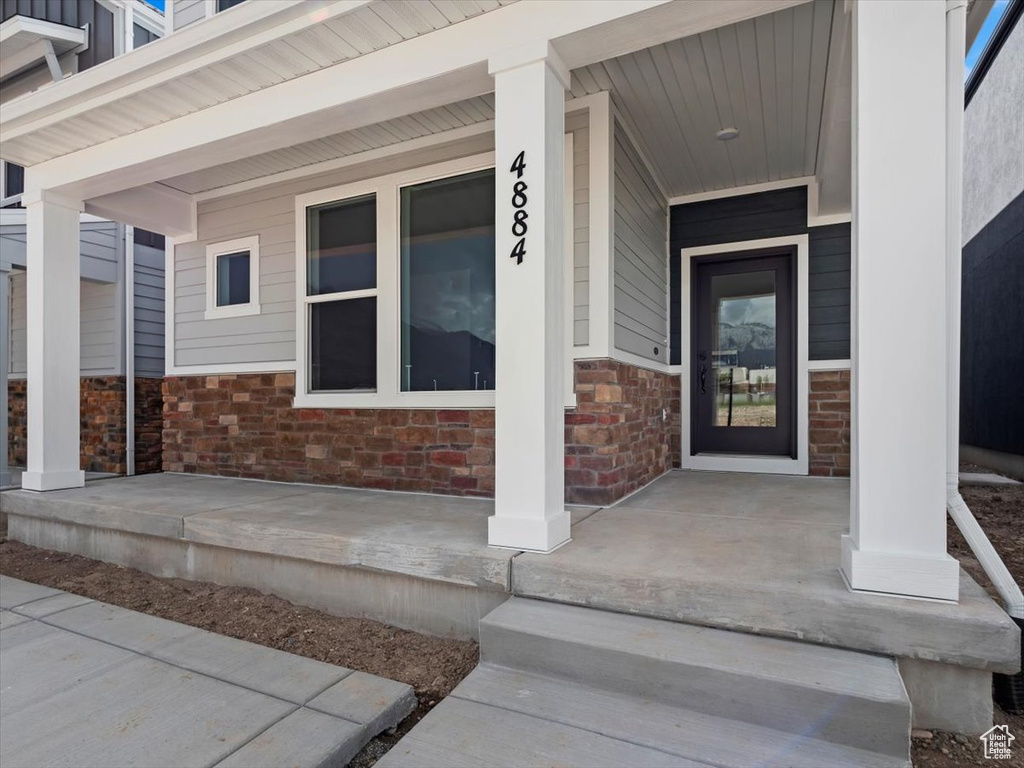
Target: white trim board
763,464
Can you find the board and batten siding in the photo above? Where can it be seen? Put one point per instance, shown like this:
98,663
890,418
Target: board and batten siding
640,253
149,311
269,212
100,332
764,215
188,12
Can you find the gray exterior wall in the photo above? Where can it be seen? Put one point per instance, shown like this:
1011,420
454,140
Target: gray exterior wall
577,124
102,302
149,311
270,213
641,256
100,331
994,138
188,12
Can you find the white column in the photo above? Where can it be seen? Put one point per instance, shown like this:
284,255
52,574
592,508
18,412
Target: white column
53,298
897,540
529,504
956,43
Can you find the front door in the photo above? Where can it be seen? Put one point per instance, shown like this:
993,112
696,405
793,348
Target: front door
743,390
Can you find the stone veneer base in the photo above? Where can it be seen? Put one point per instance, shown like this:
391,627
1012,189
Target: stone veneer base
103,424
618,438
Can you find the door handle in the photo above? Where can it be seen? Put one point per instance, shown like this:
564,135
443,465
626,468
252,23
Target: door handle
703,370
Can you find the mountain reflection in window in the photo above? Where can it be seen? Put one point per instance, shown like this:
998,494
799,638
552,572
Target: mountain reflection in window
447,284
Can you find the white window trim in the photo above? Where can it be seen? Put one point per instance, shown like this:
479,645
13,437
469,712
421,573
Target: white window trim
388,393
250,244
782,465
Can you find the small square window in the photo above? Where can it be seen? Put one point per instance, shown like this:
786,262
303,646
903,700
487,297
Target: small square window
232,278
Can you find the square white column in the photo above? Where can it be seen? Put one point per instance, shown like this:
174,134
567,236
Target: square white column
529,502
897,540
53,354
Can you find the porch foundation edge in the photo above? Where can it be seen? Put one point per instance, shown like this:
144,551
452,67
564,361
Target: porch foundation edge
420,605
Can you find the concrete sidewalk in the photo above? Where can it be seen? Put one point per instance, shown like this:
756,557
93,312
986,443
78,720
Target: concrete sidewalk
89,684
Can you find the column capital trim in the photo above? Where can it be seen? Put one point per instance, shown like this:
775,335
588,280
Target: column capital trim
35,196
530,53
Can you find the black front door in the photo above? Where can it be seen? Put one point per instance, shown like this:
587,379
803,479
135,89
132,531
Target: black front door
743,387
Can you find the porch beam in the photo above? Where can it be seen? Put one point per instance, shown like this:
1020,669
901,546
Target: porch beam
897,539
53,349
451,65
529,430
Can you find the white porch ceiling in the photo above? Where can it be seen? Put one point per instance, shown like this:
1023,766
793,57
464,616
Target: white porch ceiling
346,36
431,121
765,76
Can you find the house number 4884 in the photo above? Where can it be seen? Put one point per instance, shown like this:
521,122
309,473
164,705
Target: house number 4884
519,199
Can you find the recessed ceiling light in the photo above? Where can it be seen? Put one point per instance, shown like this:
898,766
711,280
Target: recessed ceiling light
727,134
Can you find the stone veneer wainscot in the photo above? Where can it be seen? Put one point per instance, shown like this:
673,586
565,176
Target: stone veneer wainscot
617,438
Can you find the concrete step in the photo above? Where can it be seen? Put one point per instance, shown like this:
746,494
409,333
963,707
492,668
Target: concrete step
826,694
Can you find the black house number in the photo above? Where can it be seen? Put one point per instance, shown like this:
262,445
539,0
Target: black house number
519,226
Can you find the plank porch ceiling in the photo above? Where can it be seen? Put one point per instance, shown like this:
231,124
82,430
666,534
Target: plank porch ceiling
765,76
364,30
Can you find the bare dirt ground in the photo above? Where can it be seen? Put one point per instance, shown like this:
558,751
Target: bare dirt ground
1000,512
433,666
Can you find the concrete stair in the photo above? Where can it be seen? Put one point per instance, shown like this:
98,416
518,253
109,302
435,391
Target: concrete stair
571,686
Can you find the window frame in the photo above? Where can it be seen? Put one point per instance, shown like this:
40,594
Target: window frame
223,248
388,393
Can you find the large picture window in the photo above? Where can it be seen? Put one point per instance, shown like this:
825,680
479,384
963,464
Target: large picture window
341,291
447,284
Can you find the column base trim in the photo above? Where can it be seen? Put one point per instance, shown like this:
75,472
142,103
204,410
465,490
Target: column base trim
900,575
52,481
529,534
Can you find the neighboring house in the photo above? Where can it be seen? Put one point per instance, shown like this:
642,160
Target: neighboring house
991,407
540,252
121,330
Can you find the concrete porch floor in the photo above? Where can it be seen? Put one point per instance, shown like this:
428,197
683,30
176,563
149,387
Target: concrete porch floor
755,553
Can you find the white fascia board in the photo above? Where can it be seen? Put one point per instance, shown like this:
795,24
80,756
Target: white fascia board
26,42
196,47
451,64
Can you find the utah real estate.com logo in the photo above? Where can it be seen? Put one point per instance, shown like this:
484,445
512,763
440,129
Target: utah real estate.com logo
997,742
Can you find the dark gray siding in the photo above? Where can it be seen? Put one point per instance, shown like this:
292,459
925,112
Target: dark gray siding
149,304
991,343
771,214
71,13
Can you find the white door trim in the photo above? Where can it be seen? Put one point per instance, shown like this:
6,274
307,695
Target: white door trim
764,464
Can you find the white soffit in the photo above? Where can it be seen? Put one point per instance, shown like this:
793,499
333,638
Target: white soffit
765,76
22,41
344,37
463,113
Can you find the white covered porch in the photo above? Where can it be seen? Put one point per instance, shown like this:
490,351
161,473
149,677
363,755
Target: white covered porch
139,142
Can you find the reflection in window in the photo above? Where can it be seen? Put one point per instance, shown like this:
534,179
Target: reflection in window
342,246
343,345
447,284
341,262
233,279
743,349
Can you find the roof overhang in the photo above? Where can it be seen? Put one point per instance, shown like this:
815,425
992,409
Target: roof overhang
25,42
